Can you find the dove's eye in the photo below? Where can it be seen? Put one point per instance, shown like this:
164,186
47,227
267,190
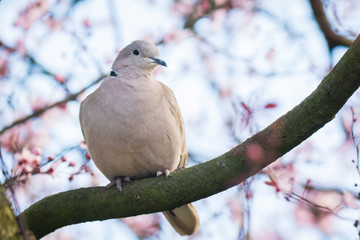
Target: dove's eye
136,52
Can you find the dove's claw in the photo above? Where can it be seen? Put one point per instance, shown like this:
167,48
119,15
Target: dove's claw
166,172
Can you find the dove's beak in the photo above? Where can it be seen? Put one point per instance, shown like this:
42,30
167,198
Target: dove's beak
158,61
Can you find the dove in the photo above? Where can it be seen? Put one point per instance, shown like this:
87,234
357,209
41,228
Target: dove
133,126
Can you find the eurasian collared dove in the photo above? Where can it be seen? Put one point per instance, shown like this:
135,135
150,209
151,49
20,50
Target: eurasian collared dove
133,127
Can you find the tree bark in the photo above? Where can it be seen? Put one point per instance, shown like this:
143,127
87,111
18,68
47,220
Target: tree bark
159,194
9,228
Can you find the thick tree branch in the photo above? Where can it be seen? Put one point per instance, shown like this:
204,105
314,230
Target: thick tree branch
12,228
42,110
9,227
158,194
332,38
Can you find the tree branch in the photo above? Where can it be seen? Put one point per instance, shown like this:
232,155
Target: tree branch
203,180
198,12
9,227
332,38
42,110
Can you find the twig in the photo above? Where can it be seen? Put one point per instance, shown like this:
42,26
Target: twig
315,206
27,56
14,179
40,111
116,21
355,139
332,38
193,17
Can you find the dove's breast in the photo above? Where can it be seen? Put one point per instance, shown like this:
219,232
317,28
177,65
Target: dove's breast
132,133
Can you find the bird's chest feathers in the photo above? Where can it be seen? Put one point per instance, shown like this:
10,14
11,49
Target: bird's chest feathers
136,126
131,103
131,110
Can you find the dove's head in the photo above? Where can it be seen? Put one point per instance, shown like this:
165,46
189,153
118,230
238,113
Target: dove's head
141,56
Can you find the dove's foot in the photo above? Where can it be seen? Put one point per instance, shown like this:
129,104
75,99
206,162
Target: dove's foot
166,172
118,181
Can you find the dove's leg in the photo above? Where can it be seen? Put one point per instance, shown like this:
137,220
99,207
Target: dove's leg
118,182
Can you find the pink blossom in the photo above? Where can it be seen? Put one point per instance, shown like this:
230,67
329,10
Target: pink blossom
236,210
349,200
3,67
303,216
144,225
27,162
32,13
282,177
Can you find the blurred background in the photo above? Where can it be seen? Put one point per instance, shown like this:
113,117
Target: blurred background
235,66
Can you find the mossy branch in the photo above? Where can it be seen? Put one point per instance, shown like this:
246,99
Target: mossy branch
9,226
158,194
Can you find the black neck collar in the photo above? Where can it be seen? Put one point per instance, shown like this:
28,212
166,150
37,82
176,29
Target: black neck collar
113,73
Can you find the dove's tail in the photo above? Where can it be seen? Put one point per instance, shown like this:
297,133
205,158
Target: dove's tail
184,219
